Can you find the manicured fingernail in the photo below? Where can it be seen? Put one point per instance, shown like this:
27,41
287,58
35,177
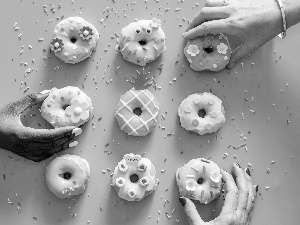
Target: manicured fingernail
248,171
256,188
73,144
183,35
77,131
182,201
45,92
238,165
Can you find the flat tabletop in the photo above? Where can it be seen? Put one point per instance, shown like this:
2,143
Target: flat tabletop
260,96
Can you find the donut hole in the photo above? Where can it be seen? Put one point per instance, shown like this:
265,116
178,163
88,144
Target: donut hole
142,42
202,113
200,180
73,39
66,175
208,49
137,111
134,178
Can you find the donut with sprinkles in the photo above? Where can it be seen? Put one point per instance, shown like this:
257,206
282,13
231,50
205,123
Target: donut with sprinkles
142,41
201,113
200,179
73,40
209,52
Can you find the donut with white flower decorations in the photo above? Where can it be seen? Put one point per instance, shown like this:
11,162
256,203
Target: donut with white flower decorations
200,179
201,113
73,40
142,41
137,112
67,175
68,106
210,52
134,177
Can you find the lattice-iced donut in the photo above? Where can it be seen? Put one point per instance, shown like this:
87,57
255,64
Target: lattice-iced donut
137,112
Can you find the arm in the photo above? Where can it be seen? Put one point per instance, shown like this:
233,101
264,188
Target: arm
256,21
32,144
292,11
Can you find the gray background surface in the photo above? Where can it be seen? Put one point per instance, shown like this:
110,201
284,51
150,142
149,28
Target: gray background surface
266,77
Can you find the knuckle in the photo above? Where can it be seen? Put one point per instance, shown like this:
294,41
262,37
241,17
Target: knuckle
204,11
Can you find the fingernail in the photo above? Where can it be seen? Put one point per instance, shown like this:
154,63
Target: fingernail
238,165
77,131
248,171
45,92
182,201
183,35
256,189
73,144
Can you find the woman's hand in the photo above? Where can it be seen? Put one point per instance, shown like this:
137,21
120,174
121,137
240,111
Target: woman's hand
256,21
239,201
32,144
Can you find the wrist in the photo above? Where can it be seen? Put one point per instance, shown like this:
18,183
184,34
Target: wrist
292,12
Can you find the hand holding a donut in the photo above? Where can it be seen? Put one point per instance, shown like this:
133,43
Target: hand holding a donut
256,21
239,200
32,144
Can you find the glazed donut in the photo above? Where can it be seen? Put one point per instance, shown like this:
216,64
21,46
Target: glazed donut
73,40
142,42
134,177
200,179
209,52
68,106
137,112
201,113
67,175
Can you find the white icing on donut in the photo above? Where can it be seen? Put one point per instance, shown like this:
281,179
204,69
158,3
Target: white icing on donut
142,42
145,181
67,175
70,30
199,179
212,107
66,107
209,52
129,122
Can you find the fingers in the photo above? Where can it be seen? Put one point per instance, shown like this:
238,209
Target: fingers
210,27
69,144
214,3
242,184
50,135
43,154
231,198
191,211
207,14
36,145
29,100
253,189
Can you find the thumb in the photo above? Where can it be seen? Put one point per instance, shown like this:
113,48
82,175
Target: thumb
239,53
191,211
29,100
